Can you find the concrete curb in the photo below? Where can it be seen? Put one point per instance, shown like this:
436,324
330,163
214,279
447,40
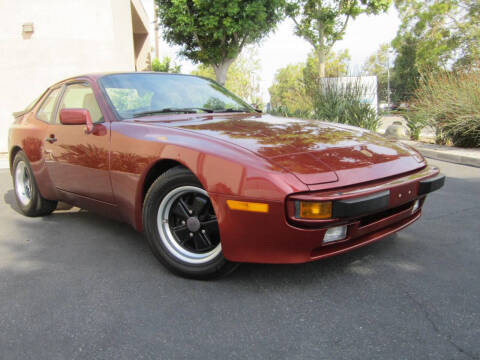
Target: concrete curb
470,157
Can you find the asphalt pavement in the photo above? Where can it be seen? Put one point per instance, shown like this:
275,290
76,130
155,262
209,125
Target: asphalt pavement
74,285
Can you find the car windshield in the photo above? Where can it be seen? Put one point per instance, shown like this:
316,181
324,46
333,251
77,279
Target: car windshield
145,94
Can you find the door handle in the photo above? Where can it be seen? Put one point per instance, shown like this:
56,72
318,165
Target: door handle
51,139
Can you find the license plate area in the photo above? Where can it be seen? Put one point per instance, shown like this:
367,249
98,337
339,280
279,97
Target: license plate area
403,194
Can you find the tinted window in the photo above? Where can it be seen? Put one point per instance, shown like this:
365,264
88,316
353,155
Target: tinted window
81,96
45,113
133,94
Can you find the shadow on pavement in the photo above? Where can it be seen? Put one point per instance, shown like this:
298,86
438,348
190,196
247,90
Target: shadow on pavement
78,225
356,261
9,198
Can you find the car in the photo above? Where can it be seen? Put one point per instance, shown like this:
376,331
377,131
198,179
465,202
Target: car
211,181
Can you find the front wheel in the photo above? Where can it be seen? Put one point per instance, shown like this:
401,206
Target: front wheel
182,228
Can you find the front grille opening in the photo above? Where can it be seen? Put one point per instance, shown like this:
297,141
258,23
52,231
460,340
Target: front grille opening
369,219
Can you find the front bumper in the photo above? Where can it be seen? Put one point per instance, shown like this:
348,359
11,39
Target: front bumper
378,201
370,211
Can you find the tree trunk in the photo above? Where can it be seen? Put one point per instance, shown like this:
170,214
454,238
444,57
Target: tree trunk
321,50
221,71
322,59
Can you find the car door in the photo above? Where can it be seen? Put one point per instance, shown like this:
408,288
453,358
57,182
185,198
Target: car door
78,161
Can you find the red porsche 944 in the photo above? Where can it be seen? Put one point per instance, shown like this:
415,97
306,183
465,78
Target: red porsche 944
211,181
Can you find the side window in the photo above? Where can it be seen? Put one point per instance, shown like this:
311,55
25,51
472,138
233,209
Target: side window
45,113
80,96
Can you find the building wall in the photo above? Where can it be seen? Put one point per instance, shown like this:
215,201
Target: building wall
70,37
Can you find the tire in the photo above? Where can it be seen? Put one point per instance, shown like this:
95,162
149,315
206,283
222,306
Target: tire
181,226
27,195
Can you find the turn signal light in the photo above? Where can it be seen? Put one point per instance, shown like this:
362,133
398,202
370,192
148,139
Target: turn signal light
247,206
314,210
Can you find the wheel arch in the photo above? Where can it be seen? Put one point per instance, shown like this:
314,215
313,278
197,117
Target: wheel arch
13,152
158,168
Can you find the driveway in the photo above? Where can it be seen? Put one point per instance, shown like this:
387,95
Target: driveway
77,286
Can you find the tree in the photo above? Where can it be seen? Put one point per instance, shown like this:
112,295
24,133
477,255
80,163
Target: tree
243,77
446,32
214,32
336,65
165,65
323,22
287,93
434,35
377,64
405,73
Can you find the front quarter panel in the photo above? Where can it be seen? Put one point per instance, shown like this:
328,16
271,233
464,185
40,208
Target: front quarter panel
220,167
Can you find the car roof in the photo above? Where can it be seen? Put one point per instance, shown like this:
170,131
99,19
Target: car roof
96,76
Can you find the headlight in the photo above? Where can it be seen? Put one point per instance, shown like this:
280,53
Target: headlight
335,233
313,210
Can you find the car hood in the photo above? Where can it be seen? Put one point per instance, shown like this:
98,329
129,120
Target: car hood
316,152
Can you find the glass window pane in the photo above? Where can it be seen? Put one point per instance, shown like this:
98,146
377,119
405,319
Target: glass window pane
81,96
45,112
132,94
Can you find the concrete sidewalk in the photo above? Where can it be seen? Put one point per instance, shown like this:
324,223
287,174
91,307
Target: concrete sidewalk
464,156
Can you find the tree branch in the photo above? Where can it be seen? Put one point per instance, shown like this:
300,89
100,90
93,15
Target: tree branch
345,24
243,42
195,34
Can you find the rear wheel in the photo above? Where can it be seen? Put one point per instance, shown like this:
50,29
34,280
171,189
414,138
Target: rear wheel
182,228
28,197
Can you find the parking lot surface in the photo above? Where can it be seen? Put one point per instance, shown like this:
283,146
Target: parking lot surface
74,285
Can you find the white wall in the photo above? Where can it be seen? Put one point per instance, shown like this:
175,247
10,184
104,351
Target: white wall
71,37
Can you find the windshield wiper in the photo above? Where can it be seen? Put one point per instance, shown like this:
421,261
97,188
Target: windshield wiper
230,110
191,110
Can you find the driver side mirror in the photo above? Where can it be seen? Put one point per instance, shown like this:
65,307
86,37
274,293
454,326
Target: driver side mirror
77,117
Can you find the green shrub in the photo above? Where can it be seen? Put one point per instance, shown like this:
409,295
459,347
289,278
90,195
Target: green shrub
165,65
450,101
415,123
343,103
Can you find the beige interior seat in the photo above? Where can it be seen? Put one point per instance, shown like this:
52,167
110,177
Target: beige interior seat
91,105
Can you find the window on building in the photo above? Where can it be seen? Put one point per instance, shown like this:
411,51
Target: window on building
45,113
81,96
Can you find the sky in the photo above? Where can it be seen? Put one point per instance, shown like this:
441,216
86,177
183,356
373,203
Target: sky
363,37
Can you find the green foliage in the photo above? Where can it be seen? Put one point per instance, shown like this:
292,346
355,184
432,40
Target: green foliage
335,65
415,123
288,94
323,22
343,103
405,72
377,64
450,101
434,34
298,91
214,32
128,99
447,31
243,77
165,65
